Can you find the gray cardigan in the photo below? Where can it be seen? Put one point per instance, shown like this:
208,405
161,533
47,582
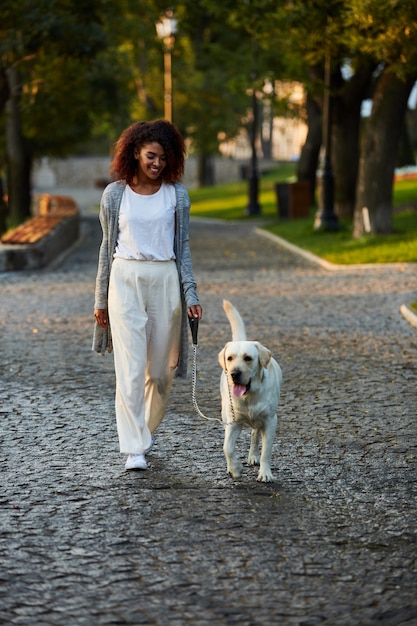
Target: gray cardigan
109,219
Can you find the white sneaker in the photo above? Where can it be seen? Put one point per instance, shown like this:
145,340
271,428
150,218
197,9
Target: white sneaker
136,462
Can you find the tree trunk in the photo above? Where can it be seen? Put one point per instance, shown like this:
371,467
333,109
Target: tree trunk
18,160
4,89
205,173
4,96
378,157
3,207
307,164
345,140
346,119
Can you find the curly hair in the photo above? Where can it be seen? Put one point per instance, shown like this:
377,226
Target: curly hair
124,165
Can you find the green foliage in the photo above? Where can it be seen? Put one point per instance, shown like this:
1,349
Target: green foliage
210,91
234,47
93,67
63,28
59,52
385,30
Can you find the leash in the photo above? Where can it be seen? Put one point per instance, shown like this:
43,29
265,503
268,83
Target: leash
194,333
232,409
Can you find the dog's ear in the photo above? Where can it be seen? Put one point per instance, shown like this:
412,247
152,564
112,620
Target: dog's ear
264,354
222,358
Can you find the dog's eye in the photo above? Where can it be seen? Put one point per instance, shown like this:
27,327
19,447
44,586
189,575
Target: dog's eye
248,359
230,358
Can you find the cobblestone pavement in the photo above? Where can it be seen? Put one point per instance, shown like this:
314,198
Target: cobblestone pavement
332,541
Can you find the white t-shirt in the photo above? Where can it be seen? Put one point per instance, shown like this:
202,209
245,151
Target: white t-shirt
147,225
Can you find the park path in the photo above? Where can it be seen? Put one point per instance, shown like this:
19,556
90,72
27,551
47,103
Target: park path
332,541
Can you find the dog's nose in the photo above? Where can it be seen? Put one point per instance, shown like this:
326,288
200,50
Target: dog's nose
235,374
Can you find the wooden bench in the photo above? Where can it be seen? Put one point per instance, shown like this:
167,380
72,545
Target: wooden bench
42,238
50,211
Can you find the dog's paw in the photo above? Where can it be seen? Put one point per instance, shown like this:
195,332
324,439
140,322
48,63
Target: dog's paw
265,477
254,459
235,471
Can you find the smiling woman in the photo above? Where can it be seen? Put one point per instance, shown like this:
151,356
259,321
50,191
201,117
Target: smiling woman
160,135
145,285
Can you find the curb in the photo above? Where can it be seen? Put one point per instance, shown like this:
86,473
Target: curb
327,265
409,315
309,256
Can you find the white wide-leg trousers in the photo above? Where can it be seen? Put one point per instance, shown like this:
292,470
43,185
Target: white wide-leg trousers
145,319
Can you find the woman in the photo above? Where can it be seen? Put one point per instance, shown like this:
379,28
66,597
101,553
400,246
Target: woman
145,285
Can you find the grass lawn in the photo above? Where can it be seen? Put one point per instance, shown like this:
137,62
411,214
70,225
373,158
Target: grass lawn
229,202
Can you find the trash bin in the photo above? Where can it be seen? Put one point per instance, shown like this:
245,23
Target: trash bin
293,200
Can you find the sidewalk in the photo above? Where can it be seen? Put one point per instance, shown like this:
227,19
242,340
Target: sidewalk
332,541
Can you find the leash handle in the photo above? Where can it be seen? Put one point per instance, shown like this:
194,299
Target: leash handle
194,329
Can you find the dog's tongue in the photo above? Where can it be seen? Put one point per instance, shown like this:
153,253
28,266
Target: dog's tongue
238,390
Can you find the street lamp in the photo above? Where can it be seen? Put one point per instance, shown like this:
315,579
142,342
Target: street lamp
326,218
254,207
166,29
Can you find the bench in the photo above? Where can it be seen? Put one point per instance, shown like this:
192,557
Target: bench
40,239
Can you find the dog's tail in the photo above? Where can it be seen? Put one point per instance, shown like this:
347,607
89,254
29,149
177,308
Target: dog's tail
236,322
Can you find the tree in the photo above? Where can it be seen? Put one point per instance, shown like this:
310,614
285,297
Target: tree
371,38
388,33
208,104
232,59
316,33
379,151
47,54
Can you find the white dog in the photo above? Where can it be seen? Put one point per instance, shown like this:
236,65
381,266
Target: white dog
250,388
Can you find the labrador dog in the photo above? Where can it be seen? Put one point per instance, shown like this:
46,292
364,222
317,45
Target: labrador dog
250,388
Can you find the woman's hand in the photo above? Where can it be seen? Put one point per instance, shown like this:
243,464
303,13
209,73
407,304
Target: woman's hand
102,318
195,311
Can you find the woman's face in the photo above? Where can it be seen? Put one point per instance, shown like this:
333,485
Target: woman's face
151,160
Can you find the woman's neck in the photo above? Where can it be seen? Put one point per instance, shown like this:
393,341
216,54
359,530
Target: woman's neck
145,187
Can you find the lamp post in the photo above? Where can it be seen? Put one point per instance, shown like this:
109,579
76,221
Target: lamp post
166,29
326,218
254,207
